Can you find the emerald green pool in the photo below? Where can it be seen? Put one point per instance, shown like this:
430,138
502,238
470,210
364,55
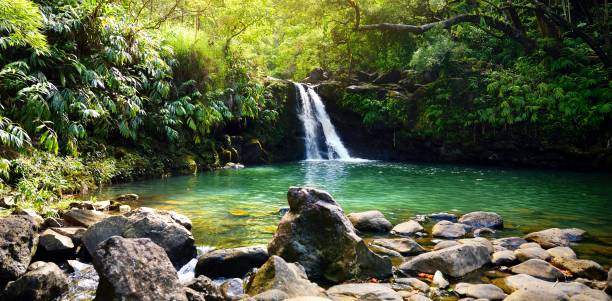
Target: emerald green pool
232,208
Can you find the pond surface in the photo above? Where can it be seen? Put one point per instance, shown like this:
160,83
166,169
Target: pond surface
231,208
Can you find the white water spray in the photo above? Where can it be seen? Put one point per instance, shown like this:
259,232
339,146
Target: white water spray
316,121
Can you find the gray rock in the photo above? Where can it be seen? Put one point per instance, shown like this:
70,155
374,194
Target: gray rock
52,222
101,205
410,284
193,295
363,292
510,243
446,229
569,289
443,216
128,197
232,288
445,244
408,228
159,226
537,295
439,280
124,209
287,277
416,297
481,232
384,251
454,261
539,269
271,295
54,246
404,246
529,245
7,201
479,241
556,237
179,218
370,221
234,262
308,299
304,234
506,257
481,219
83,217
562,252
43,281
480,291
18,242
581,268
135,269
32,215
205,288
531,253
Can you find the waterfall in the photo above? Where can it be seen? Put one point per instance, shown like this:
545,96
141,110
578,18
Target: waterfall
318,127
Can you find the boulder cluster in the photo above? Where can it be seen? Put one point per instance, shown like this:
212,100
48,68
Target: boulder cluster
316,253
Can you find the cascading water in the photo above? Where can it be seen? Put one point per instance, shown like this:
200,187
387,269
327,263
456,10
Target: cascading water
318,127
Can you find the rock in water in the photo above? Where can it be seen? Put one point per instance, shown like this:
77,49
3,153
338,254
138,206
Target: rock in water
370,221
135,269
574,290
316,234
539,269
510,243
454,261
404,246
231,262
480,291
481,219
18,241
289,278
363,291
43,281
503,257
439,281
581,268
562,252
159,226
446,229
556,237
408,228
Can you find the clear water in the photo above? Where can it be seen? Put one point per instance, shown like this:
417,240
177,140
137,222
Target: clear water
232,208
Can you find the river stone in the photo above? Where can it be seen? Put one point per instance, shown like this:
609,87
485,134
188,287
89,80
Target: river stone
370,221
231,263
581,268
415,297
384,251
43,281
562,252
408,228
439,280
454,261
7,201
556,237
135,269
539,269
204,289
271,295
159,226
232,288
479,241
609,282
482,232
443,216
480,291
481,219
102,205
363,292
531,253
308,299
529,245
506,257
290,278
510,243
446,229
304,234
410,284
18,242
537,295
32,215
445,244
128,197
52,222
83,217
51,244
404,246
569,289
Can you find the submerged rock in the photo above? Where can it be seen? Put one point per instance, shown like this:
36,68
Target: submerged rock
408,228
304,234
231,262
510,243
446,229
370,221
128,197
443,216
135,269
480,291
363,291
404,246
18,242
454,261
556,237
43,281
481,219
289,278
539,269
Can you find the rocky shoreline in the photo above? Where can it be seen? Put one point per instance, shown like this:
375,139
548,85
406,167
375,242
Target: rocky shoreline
317,253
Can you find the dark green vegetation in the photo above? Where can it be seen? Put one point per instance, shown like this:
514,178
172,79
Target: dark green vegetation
101,91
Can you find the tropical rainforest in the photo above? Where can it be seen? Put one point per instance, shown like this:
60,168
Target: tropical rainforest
94,92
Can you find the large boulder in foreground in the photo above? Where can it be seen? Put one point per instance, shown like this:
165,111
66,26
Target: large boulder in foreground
229,263
453,261
316,233
159,226
135,269
556,237
43,281
370,221
18,242
567,290
290,278
481,219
